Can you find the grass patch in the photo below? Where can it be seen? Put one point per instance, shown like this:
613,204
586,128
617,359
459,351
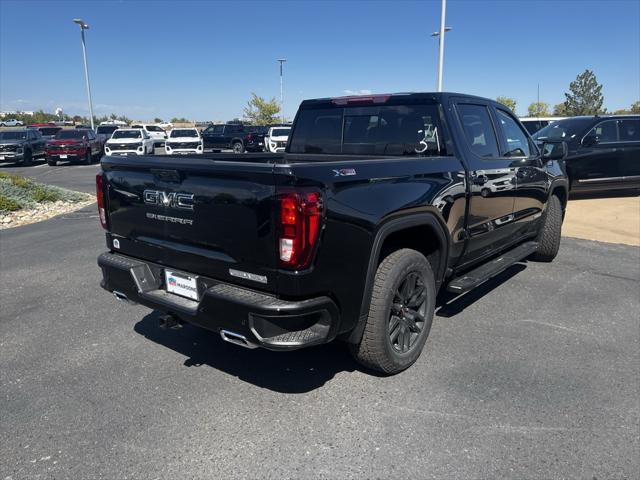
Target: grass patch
18,193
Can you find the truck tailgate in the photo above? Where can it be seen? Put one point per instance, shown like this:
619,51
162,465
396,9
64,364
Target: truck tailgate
196,215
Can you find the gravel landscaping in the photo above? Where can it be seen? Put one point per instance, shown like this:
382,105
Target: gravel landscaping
24,201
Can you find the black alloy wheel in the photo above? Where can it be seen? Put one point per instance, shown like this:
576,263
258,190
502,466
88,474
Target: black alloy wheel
407,316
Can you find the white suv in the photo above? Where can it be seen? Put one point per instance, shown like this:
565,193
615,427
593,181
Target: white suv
155,132
129,141
184,141
275,140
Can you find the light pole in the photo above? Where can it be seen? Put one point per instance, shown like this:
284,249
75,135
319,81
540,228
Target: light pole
281,60
440,36
83,27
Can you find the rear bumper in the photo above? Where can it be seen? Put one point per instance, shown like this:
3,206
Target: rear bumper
264,320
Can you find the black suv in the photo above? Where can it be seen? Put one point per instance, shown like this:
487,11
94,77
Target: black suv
604,151
225,136
21,146
254,137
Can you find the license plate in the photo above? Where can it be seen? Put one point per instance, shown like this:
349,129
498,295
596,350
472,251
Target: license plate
63,156
181,284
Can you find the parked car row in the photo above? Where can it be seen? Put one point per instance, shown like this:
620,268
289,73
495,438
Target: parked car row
241,138
603,151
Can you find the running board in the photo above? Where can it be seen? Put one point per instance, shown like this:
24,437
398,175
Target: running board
484,272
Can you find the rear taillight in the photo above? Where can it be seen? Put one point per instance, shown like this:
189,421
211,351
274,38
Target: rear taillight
300,222
100,196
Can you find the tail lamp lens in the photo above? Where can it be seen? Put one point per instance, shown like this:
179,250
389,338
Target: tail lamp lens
100,196
300,222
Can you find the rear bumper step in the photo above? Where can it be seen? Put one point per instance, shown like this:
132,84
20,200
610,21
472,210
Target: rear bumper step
260,319
484,272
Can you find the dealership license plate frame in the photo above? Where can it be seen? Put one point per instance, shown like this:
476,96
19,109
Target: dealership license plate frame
188,280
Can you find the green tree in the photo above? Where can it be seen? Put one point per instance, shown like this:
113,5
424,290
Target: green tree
508,102
179,120
635,108
584,96
260,111
560,110
538,109
157,120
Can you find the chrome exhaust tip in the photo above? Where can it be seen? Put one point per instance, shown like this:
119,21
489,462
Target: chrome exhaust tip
121,297
237,339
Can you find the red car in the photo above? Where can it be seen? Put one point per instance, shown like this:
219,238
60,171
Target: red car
80,145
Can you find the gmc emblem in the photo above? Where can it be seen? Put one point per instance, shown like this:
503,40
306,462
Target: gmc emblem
183,201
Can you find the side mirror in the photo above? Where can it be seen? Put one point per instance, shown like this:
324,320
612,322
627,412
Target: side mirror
590,140
554,150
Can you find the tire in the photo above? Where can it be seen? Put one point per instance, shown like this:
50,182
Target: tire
28,158
87,157
152,150
549,236
52,162
237,147
393,311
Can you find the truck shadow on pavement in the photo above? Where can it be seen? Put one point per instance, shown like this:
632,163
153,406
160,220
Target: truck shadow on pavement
298,371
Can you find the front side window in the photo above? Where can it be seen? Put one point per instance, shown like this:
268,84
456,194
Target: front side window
517,142
478,130
629,130
605,132
218,129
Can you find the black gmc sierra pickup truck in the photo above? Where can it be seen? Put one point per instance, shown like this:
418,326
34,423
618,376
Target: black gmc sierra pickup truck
379,203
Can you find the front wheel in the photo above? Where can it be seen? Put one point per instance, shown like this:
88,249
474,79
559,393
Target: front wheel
550,232
28,158
400,313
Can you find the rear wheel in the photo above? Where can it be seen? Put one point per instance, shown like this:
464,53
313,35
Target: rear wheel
52,162
87,157
550,233
238,147
400,313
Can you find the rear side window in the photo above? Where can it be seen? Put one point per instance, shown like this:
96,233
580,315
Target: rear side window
478,130
629,130
517,142
394,130
606,132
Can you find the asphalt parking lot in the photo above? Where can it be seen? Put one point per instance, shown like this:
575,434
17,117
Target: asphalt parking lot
533,375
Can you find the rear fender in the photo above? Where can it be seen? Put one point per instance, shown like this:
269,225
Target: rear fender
425,219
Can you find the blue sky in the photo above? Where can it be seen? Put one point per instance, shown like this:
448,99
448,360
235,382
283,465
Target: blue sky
202,59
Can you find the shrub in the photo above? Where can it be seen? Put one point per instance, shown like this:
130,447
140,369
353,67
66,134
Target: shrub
23,193
8,205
